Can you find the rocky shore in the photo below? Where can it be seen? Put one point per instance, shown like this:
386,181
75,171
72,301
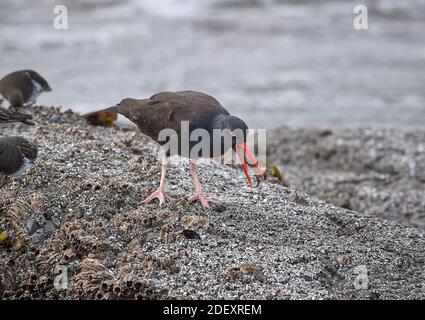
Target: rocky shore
79,210
373,171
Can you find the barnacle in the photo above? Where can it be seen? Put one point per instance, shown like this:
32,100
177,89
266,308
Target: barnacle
37,203
91,276
193,222
167,234
7,277
12,222
96,281
244,269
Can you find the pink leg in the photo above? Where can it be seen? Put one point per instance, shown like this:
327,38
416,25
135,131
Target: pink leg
199,194
160,192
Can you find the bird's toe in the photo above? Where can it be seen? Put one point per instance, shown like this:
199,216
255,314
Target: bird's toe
160,195
205,202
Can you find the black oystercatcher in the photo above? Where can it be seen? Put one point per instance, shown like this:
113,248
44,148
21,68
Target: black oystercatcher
22,88
167,110
9,117
17,155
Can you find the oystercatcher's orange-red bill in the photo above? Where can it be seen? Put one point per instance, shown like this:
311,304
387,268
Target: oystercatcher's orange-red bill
248,158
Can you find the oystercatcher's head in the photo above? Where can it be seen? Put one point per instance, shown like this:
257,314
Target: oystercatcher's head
238,130
44,85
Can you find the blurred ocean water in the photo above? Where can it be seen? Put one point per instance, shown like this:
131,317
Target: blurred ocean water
271,62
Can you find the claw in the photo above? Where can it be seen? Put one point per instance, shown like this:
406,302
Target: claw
160,195
200,196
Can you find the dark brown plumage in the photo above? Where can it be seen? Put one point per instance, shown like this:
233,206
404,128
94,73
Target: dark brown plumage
9,117
17,155
167,110
23,87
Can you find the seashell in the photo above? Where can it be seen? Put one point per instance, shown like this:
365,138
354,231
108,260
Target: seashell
190,234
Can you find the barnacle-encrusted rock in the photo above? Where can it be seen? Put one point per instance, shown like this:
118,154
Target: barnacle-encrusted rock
83,205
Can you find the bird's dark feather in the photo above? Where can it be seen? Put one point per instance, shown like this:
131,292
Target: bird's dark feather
13,151
166,110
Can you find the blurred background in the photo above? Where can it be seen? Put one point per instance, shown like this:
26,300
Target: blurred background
271,62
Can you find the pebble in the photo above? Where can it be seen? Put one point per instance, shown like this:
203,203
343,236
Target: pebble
38,239
32,226
49,228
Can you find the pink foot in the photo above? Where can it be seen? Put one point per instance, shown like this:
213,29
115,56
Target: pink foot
158,194
200,196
